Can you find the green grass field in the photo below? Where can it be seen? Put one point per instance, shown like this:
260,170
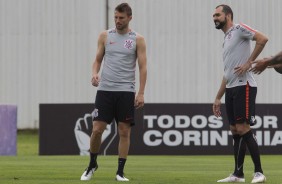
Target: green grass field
29,168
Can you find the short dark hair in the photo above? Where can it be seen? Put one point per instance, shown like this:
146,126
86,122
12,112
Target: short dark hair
226,9
124,7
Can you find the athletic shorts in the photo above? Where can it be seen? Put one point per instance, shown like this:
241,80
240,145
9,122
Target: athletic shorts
118,105
240,104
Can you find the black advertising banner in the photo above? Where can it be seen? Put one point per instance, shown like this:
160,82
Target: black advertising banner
56,127
65,129
192,129
161,129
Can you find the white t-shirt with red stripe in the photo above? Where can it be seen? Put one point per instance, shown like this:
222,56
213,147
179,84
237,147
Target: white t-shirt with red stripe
236,52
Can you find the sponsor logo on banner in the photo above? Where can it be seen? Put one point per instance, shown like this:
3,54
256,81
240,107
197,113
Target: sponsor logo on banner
201,130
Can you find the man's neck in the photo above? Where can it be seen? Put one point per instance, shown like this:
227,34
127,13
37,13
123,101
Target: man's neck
227,26
123,31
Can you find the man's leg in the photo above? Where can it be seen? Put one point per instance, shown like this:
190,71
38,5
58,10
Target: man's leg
95,143
251,142
239,150
239,147
124,130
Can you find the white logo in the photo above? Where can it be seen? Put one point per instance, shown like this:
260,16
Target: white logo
95,113
253,119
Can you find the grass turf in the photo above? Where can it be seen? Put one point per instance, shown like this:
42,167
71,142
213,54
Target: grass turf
29,168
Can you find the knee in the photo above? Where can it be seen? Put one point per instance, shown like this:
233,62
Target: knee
233,130
124,133
97,132
240,132
242,129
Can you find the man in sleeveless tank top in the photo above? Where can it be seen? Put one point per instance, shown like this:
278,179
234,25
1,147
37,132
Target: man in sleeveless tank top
272,62
119,49
239,87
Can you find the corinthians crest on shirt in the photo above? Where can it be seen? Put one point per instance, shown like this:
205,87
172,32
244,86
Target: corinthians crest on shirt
128,44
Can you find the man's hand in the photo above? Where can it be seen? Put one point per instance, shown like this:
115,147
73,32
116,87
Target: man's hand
95,80
216,108
139,101
239,70
260,66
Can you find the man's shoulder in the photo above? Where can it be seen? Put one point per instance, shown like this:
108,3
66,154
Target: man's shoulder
136,35
111,31
103,33
102,36
133,33
237,26
139,36
245,28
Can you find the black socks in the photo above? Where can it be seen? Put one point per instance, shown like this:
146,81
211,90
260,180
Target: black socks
240,144
252,145
121,163
93,160
239,155
93,163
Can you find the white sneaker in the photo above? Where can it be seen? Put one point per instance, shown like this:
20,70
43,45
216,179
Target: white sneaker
258,178
121,178
88,173
232,179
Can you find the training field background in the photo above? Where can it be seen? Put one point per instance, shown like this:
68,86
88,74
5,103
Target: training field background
47,48
29,168
46,52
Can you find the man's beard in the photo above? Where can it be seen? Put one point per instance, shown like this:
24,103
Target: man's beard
121,27
220,25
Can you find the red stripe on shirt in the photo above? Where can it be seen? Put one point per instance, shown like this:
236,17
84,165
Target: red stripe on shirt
247,27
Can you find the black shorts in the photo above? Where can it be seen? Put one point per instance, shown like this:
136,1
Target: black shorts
118,105
240,104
